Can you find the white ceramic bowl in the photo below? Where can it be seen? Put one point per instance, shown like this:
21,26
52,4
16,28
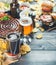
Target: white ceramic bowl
25,4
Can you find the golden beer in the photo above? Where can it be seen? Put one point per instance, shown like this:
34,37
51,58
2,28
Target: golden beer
26,24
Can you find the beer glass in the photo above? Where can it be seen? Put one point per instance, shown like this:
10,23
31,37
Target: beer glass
26,27
14,45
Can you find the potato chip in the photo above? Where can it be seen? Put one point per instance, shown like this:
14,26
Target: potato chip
37,25
34,30
25,47
39,36
3,44
41,29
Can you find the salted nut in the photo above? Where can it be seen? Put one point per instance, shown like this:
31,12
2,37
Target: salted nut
41,29
34,30
23,52
39,36
37,25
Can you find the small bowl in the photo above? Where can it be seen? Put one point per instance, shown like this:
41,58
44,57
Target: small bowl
24,5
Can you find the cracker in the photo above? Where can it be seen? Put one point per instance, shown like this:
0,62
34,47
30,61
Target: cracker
39,36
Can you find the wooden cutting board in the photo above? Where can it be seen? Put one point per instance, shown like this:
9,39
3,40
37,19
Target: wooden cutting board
7,62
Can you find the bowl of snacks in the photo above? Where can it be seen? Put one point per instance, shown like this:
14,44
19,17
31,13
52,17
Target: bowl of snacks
47,6
24,5
4,6
47,20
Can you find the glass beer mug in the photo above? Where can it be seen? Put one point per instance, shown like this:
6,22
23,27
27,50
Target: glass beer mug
14,45
26,25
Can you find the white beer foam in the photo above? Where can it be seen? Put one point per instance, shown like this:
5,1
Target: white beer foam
29,21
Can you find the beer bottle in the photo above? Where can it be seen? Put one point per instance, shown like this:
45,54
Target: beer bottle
14,8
